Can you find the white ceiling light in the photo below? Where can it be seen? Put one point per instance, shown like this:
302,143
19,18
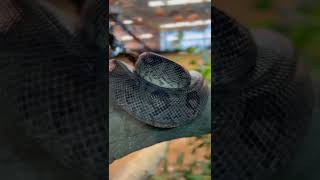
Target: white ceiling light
190,37
174,2
186,24
146,36
127,21
126,38
156,3
172,38
181,2
142,36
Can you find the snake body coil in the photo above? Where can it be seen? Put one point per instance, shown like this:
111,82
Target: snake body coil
54,81
158,91
262,101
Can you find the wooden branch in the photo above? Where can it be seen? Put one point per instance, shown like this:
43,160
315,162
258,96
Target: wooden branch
127,134
140,165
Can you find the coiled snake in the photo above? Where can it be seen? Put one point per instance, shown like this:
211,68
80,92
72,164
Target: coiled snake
262,101
53,78
158,91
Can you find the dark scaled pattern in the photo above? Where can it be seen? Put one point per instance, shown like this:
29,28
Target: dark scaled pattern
95,17
233,49
56,81
162,72
259,120
151,102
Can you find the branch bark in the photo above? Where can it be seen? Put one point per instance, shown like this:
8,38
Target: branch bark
127,134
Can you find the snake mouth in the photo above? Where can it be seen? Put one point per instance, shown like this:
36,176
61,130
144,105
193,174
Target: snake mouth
126,66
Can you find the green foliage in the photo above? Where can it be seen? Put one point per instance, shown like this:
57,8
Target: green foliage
176,43
306,36
263,5
205,68
197,170
301,26
180,159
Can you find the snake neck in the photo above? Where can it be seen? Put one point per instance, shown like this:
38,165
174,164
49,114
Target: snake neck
94,25
125,71
234,52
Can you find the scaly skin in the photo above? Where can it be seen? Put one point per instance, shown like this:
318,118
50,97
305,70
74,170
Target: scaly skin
263,101
127,134
158,92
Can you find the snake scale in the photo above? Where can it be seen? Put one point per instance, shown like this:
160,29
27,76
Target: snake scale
53,76
262,101
158,91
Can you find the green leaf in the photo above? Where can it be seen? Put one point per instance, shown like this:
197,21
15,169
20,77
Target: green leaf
193,62
165,166
180,159
263,5
194,177
191,50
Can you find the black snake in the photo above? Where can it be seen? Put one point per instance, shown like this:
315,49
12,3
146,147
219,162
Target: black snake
262,101
158,91
53,76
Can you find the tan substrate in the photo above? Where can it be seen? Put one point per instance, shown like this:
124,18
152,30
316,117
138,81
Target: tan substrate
178,146
139,165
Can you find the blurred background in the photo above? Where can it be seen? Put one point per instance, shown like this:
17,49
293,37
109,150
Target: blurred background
299,20
181,31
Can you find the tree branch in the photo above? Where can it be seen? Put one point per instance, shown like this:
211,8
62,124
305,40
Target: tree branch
127,134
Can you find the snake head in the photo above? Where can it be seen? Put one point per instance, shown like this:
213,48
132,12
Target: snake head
161,71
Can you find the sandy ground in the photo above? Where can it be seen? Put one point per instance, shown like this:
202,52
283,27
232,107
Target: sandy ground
175,148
